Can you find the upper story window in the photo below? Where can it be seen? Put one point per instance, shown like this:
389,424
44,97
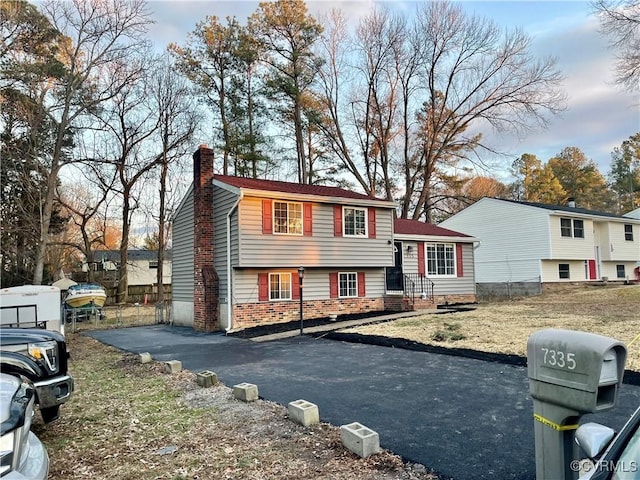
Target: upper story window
287,218
572,227
355,222
628,232
441,259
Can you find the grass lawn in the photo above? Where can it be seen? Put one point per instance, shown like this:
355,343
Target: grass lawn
504,326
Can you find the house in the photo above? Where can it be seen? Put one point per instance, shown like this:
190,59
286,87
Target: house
240,246
533,243
142,266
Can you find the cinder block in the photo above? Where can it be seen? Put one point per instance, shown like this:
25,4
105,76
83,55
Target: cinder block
359,439
172,366
145,357
303,412
247,392
206,378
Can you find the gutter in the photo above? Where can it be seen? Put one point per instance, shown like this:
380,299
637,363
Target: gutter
229,290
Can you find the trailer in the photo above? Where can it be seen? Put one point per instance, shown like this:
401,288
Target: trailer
31,306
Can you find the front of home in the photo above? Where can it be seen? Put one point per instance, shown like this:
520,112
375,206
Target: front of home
244,250
534,243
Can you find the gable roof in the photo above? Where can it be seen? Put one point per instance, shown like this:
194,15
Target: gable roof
294,188
563,208
415,227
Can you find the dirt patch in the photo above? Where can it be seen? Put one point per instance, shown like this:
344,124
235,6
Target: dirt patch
127,420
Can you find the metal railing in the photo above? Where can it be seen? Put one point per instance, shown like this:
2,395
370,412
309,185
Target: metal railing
411,284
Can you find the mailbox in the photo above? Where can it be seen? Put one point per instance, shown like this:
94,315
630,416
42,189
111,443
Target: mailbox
577,370
570,373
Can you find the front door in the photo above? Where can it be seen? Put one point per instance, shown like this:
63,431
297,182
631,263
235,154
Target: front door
394,274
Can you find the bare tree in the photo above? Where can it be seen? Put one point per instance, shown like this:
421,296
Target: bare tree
171,100
620,21
99,34
475,77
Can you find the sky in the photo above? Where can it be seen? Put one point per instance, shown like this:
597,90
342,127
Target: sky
599,115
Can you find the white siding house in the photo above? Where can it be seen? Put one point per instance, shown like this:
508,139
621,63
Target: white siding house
534,243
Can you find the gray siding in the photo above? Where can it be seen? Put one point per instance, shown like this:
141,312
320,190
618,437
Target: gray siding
316,283
182,276
223,201
442,285
321,249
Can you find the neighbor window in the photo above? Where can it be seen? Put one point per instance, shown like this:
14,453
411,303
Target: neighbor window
628,232
563,270
571,228
355,222
279,286
578,228
287,218
620,271
348,284
441,259
565,227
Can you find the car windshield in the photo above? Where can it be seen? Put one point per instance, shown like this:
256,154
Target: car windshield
628,465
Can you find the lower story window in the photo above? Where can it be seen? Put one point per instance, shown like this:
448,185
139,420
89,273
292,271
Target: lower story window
441,259
279,286
348,284
563,270
620,273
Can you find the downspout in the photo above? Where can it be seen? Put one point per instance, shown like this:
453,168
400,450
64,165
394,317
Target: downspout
229,289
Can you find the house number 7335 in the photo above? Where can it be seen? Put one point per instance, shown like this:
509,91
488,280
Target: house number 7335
558,358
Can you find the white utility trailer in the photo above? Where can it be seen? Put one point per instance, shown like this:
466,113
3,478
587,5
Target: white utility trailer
31,306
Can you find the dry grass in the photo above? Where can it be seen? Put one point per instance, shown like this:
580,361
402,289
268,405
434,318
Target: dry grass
131,421
504,327
116,317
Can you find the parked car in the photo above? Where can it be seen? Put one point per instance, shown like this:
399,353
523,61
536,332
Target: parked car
22,455
40,357
616,457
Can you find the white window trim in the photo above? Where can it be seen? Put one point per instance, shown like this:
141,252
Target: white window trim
356,290
625,233
273,216
572,229
366,222
426,261
280,274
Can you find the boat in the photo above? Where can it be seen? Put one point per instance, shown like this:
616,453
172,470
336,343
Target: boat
85,295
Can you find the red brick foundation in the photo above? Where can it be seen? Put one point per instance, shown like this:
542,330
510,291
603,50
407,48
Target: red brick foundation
405,304
264,313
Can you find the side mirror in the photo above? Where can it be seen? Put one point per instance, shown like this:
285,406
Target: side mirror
593,438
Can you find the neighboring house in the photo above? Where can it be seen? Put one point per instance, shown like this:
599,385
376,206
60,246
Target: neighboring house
533,243
142,266
238,244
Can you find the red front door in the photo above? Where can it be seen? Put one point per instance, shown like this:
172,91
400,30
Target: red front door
593,274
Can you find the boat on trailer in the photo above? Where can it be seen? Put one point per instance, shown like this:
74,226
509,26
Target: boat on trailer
85,296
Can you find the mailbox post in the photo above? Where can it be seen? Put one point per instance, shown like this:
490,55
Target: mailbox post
570,373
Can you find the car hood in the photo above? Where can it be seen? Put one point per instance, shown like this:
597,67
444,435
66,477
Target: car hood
12,336
9,385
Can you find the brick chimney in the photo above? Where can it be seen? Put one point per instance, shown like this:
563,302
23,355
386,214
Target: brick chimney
206,301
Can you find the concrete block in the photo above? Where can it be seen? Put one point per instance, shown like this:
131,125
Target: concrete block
303,412
172,366
206,378
247,392
145,357
359,439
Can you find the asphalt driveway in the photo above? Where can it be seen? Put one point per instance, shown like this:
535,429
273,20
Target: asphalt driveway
464,418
